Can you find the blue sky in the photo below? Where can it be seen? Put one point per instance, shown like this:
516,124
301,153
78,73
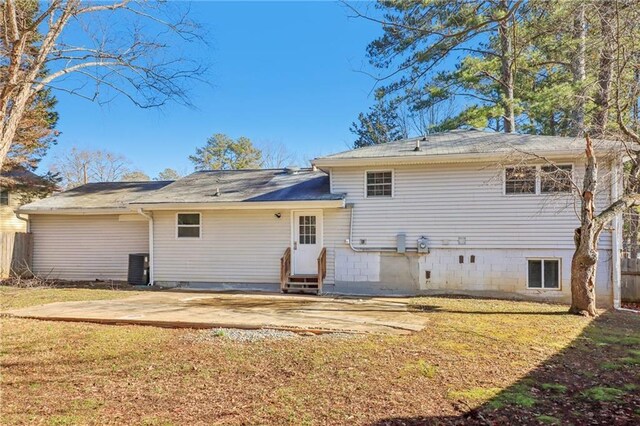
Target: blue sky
281,73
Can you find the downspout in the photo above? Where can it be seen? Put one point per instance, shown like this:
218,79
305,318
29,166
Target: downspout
150,220
616,238
26,219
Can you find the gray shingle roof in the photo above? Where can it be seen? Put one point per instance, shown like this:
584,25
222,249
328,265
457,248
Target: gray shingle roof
103,195
245,186
470,141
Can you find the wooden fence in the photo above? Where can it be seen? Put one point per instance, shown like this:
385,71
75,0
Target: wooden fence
16,250
631,280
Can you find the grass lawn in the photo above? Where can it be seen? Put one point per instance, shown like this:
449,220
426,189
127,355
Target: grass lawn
478,361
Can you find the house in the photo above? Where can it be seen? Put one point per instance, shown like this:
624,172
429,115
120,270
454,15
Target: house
18,186
467,211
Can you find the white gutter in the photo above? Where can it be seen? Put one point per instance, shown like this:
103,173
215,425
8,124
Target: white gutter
74,211
325,163
150,219
242,205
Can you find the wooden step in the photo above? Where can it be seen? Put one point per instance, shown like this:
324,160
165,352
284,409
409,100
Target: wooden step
303,278
301,287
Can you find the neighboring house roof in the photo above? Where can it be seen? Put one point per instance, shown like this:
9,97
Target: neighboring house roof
234,186
21,176
472,143
97,197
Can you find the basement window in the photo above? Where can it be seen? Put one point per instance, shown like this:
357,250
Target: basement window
544,274
379,184
4,197
188,225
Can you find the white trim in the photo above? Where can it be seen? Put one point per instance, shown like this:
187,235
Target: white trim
572,177
559,260
80,212
199,226
440,158
243,205
240,205
616,237
538,182
393,183
131,217
9,197
319,230
330,180
519,194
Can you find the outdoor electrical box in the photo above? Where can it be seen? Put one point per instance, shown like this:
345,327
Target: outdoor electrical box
423,245
401,243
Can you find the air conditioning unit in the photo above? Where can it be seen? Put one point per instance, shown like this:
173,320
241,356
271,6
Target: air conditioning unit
138,273
423,245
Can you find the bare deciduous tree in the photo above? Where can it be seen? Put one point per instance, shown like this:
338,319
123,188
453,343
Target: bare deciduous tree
135,176
275,155
77,167
115,48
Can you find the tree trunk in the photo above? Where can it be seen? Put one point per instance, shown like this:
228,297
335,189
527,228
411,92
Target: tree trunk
585,257
583,272
578,69
506,72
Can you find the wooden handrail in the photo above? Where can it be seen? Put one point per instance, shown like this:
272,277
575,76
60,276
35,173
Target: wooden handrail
322,268
285,268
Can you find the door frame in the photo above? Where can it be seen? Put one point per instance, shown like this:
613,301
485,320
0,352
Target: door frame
319,231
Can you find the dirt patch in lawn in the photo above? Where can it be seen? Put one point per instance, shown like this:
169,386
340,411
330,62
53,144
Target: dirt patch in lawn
478,361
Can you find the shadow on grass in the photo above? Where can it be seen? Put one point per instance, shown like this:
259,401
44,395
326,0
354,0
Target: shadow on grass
594,380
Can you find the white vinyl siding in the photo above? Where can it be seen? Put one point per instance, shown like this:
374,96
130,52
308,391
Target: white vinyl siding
87,247
448,201
9,222
240,246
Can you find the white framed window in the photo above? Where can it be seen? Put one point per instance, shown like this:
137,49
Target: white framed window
543,274
556,178
536,180
4,197
188,225
379,183
520,180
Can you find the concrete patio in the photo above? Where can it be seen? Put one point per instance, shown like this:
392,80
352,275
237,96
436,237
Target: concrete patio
247,311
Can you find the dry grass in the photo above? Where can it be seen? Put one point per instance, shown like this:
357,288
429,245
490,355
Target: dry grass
477,361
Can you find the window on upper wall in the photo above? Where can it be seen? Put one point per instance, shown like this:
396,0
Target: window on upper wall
188,225
555,179
379,184
544,274
520,180
538,179
4,197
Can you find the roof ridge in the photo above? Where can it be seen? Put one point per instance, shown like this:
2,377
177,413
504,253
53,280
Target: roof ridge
282,169
111,182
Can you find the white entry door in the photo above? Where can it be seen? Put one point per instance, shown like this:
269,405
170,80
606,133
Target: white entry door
307,241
